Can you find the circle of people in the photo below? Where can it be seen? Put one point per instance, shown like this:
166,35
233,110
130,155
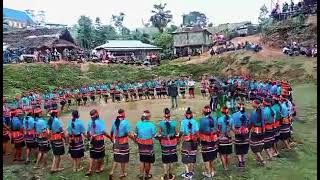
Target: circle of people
117,92
214,134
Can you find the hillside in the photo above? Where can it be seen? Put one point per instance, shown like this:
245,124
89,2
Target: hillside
299,29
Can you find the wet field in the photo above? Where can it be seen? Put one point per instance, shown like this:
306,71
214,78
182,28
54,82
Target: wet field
299,163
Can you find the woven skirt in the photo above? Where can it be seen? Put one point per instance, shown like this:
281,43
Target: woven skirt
30,141
164,91
58,147
209,150
276,134
241,144
44,145
169,154
146,153
182,90
225,145
189,152
284,132
158,91
97,149
268,139
19,141
76,148
121,152
257,142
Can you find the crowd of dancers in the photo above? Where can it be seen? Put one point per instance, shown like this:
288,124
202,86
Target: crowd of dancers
221,128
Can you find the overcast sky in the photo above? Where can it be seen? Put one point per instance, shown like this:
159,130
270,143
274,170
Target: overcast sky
69,11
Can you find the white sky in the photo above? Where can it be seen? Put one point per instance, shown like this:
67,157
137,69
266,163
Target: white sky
68,11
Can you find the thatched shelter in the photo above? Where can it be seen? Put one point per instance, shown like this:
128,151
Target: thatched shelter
40,39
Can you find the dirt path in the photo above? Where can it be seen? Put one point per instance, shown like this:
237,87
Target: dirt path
135,109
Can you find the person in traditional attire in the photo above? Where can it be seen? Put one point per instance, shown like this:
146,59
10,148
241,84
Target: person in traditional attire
257,131
42,134
96,132
17,134
224,138
208,140
240,127
29,134
76,132
57,139
145,132
189,131
168,138
120,133
268,118
276,107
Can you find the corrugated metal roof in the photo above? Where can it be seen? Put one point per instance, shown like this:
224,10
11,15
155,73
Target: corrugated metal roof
16,15
126,44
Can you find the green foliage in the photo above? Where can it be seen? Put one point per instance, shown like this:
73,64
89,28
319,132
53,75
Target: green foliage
195,18
143,37
160,17
264,19
117,21
85,32
172,28
163,40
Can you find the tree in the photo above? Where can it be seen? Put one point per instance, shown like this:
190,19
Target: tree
263,18
109,32
98,22
117,21
160,17
172,28
143,37
195,18
85,32
163,40
210,25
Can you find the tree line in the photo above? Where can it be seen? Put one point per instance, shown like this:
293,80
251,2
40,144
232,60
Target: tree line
90,34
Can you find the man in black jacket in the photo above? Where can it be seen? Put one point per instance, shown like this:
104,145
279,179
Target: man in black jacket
173,93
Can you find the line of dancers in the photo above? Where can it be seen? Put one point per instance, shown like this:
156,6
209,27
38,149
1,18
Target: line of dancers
213,136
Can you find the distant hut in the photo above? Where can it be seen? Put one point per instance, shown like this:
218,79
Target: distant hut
40,39
191,40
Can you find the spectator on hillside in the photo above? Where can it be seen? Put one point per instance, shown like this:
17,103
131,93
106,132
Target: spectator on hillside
292,5
212,52
285,7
